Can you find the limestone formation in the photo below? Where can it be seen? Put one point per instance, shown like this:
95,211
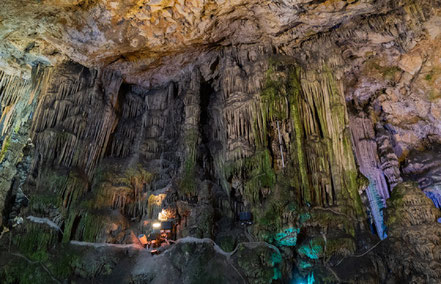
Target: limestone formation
412,220
287,140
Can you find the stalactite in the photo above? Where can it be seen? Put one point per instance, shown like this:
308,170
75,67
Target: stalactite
304,113
377,205
365,147
323,110
388,159
280,142
67,128
18,100
366,152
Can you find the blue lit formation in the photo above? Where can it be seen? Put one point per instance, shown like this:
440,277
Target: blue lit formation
376,203
435,195
308,280
287,238
304,265
276,259
312,250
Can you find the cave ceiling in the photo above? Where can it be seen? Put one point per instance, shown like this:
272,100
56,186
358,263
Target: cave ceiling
156,38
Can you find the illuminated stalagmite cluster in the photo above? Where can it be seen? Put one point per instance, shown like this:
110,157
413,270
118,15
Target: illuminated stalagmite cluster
220,141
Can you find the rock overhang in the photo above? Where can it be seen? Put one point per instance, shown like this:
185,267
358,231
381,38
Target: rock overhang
138,36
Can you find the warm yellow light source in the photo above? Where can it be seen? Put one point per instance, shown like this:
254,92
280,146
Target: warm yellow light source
162,216
156,225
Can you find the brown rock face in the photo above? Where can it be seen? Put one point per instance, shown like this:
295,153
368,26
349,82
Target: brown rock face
413,250
115,114
409,207
135,36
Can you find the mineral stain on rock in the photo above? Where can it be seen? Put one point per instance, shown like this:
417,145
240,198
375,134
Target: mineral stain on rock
238,141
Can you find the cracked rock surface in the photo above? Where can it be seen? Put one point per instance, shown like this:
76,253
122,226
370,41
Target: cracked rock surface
321,119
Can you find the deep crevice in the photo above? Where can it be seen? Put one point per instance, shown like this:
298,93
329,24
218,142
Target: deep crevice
118,108
75,225
205,126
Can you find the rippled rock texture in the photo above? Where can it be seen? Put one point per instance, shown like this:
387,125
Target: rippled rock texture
411,220
307,114
135,36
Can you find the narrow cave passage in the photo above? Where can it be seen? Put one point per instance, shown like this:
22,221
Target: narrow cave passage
206,125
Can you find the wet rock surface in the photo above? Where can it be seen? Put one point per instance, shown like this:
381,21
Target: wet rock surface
306,115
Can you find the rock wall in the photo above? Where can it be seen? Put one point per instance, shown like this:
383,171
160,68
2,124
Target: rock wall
411,219
109,156
18,102
308,135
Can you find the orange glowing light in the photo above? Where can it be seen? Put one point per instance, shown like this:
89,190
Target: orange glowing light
156,225
163,215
